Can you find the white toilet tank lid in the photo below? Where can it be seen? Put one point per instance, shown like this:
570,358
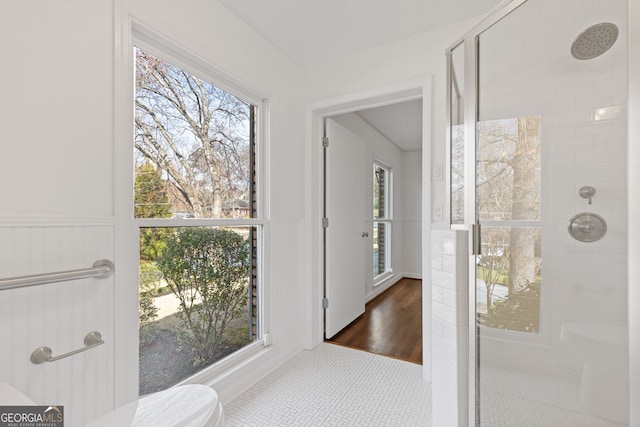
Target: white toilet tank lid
186,405
11,396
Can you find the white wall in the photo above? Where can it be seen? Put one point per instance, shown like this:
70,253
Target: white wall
57,206
57,137
411,188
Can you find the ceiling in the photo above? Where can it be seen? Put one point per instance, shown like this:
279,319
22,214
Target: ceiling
312,31
309,32
400,123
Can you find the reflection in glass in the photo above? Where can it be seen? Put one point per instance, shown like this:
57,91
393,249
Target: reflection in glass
508,279
457,135
508,169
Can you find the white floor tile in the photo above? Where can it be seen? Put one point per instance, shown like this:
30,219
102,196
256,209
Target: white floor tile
336,386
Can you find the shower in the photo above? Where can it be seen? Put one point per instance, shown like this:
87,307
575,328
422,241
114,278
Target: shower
594,41
529,127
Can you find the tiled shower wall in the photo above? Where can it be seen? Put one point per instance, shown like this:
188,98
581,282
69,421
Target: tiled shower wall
450,349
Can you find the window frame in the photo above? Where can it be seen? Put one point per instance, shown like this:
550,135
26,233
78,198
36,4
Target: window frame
386,219
151,43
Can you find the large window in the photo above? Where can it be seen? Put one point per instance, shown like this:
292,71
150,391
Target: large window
196,209
381,222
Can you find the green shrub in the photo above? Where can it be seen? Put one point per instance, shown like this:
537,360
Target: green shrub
208,270
147,313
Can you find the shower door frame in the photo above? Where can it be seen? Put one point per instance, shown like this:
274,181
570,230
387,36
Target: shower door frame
470,42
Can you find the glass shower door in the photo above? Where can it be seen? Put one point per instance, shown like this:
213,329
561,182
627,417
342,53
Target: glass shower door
550,310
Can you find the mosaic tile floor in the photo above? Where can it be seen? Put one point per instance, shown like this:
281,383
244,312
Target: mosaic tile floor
514,399
336,386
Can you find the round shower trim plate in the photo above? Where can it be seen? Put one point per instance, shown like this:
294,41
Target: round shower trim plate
587,227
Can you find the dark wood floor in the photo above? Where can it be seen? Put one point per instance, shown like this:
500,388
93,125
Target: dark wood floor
391,324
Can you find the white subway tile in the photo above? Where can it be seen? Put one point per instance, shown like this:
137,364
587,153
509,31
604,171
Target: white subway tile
449,298
445,348
437,294
449,263
443,313
444,279
600,99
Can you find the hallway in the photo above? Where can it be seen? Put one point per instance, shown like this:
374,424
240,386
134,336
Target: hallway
391,324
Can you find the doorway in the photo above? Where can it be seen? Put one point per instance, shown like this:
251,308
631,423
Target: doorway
313,329
372,208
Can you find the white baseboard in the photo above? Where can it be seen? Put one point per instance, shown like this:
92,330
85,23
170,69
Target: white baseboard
389,282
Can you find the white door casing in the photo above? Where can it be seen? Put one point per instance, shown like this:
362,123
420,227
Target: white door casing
345,243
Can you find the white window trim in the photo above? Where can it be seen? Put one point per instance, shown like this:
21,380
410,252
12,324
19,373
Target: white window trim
130,33
387,219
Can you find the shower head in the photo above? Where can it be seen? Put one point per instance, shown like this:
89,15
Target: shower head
594,41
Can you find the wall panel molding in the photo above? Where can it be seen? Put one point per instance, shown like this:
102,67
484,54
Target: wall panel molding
37,221
58,315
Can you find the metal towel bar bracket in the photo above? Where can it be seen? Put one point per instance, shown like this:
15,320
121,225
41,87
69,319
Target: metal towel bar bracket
44,354
100,269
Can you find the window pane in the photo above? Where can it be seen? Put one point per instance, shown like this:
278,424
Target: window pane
380,248
194,142
380,184
508,280
198,291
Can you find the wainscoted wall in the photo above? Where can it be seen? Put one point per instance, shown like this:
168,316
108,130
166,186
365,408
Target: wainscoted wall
450,348
58,315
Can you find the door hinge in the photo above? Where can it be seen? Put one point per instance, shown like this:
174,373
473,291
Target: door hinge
325,303
325,141
325,222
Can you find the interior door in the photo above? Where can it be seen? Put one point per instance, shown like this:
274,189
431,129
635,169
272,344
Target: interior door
345,235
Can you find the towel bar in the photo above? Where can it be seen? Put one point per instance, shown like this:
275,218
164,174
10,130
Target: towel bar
44,354
100,269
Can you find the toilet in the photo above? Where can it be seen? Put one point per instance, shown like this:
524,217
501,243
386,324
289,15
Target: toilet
190,405
605,371
11,397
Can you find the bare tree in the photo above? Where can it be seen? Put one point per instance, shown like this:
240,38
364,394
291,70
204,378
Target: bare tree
195,132
525,202
508,189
